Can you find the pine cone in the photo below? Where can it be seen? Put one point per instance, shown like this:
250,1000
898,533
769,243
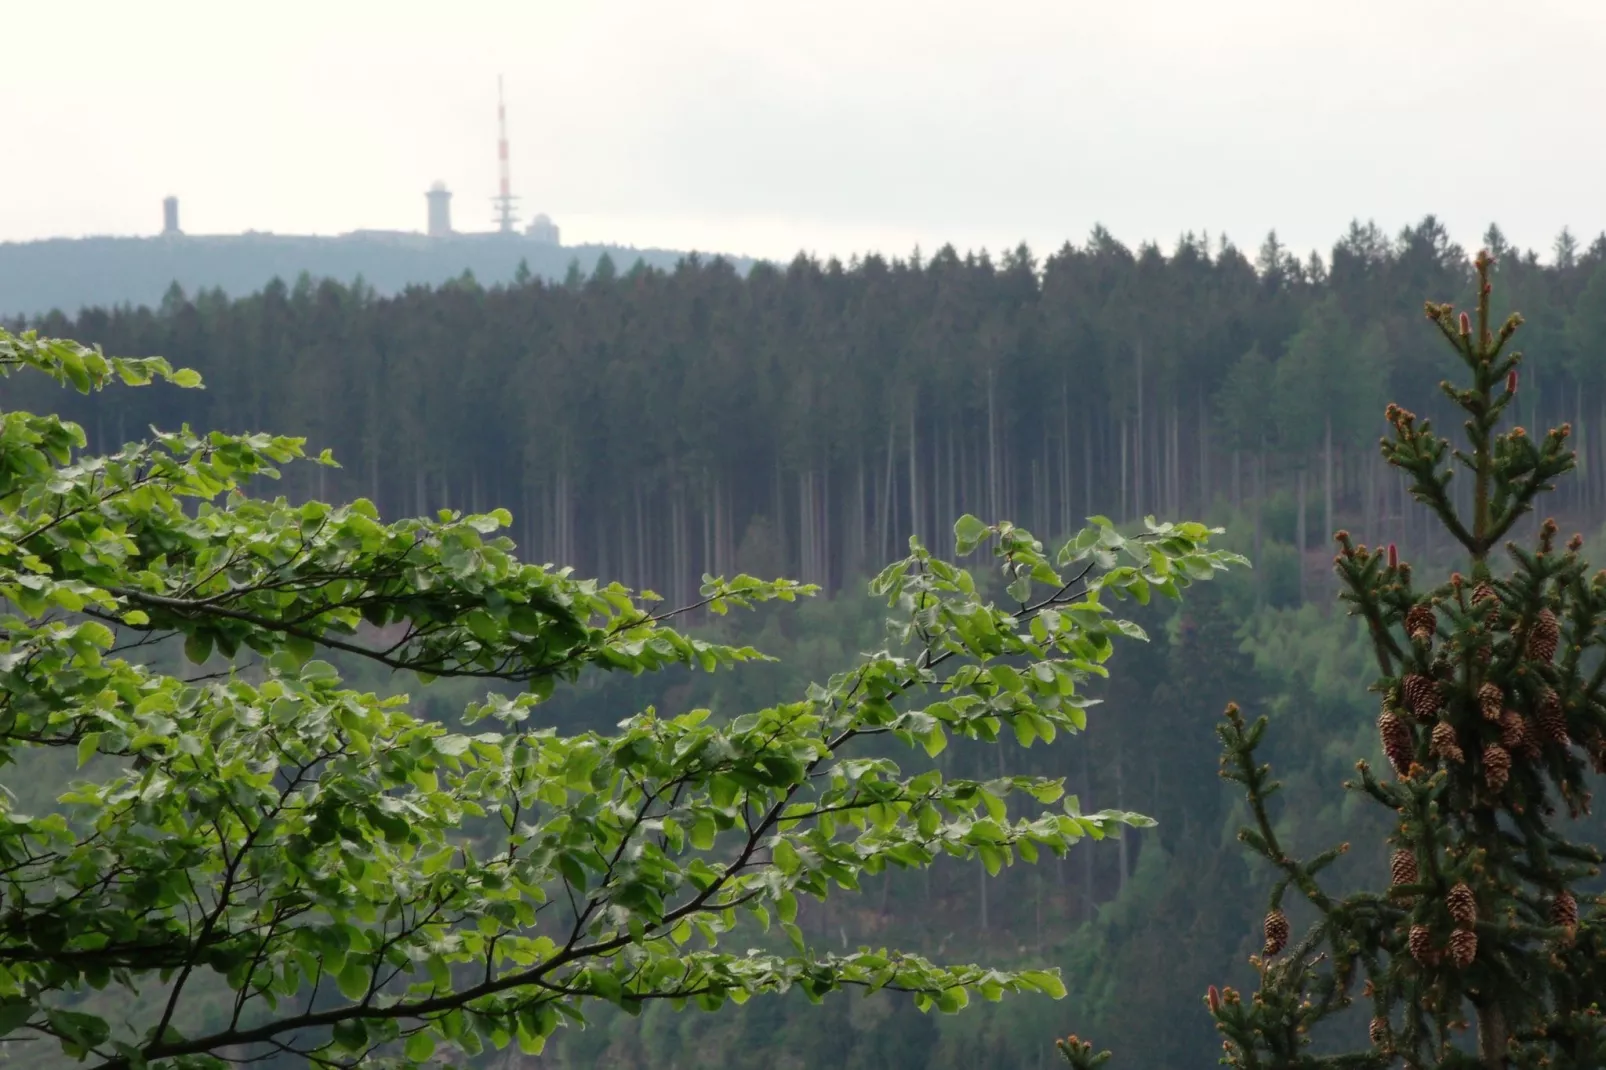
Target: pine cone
1463,907
1276,928
1552,722
1513,730
1402,867
1444,743
1422,695
1420,622
1485,592
1597,752
1396,741
1496,767
1564,910
1544,637
1491,701
1379,1032
1421,945
1463,947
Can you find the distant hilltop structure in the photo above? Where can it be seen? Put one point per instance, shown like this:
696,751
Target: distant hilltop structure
104,270
438,199
542,230
440,211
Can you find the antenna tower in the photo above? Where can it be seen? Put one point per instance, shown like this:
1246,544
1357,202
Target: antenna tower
505,217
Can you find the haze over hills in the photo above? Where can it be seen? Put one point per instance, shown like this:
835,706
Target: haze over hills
70,274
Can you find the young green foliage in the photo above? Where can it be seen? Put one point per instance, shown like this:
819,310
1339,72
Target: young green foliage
293,867
1493,695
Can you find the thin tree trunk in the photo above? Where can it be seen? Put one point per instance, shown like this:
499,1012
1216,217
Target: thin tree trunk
1125,513
1087,471
1327,479
1301,537
1137,444
914,478
993,474
1120,804
1259,493
884,506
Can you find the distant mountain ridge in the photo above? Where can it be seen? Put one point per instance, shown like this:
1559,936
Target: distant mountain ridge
69,274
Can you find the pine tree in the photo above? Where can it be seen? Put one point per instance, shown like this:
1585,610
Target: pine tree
1492,699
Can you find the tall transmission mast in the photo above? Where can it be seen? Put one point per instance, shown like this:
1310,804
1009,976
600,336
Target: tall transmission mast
505,216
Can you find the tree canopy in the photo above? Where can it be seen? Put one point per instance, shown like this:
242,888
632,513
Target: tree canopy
256,860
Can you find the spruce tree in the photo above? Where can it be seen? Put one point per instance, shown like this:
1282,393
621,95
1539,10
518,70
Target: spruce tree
1474,953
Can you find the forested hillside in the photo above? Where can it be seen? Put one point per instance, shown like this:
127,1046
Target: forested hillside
805,420
74,273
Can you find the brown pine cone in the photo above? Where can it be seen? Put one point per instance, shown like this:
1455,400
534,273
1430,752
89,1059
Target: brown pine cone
1402,867
1463,947
1396,741
1422,695
1485,592
1544,637
1421,944
1552,722
1496,767
1276,928
1491,700
1597,752
1513,730
1379,1032
1463,907
1421,622
1564,910
1444,743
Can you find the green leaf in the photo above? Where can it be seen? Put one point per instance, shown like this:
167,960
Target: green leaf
13,1014
354,979
420,1046
968,533
786,857
87,747
198,646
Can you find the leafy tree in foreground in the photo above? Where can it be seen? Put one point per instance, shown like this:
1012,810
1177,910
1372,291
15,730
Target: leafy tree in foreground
261,863
1493,695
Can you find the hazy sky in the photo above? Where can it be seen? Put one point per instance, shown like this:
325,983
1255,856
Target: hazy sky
763,127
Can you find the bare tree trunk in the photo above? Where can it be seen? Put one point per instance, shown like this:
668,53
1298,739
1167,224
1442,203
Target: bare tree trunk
1087,470
1120,804
1300,536
1137,444
1125,514
1067,525
993,474
884,505
914,478
1327,480
1259,493
825,525
1087,856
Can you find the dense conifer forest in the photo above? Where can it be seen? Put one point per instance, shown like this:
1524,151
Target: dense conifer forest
805,420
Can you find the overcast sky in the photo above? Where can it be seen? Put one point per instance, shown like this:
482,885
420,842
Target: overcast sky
765,127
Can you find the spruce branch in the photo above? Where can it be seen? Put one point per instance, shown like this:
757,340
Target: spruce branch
1493,693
